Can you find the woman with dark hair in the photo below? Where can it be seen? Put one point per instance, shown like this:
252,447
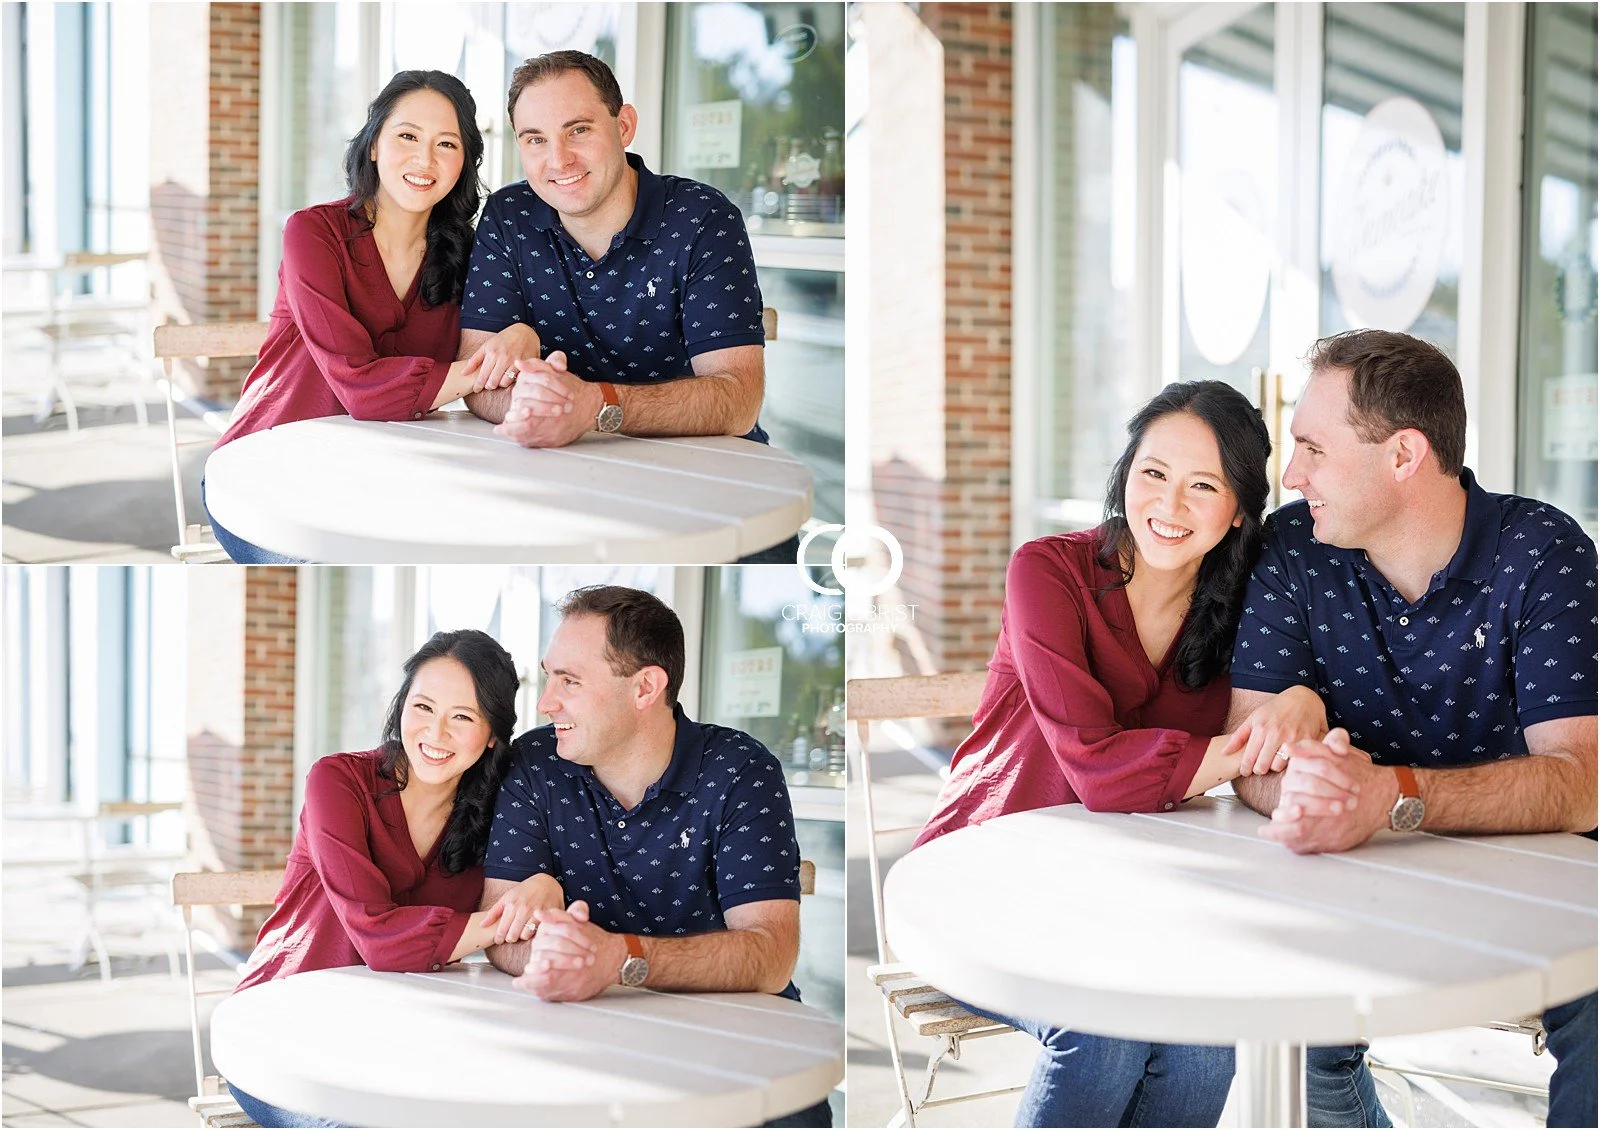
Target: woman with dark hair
1106,688
387,870
367,318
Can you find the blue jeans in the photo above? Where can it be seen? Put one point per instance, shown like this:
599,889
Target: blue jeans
265,1114
1339,1089
1083,1080
784,553
819,1115
243,552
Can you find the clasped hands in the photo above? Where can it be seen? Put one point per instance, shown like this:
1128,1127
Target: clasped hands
1331,797
549,406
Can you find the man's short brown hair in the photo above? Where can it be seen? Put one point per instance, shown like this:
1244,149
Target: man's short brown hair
1399,381
641,631
555,63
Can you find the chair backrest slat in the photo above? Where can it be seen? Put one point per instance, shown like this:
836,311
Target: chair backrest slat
226,888
915,696
214,339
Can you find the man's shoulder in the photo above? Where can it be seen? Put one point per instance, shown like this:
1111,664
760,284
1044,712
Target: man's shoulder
698,203
510,202
534,747
1533,519
734,749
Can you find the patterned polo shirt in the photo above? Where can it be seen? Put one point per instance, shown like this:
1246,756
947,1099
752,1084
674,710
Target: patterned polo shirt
715,832
678,281
1504,637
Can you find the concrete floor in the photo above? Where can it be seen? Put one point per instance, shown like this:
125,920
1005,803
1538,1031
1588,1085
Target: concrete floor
78,1052
103,496
904,790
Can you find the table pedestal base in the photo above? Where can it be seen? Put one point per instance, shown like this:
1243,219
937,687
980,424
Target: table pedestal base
1270,1080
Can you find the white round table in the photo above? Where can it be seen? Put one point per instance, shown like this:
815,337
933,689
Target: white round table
465,1047
1186,927
446,489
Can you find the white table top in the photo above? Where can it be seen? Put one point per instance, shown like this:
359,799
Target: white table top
1187,927
446,489
465,1047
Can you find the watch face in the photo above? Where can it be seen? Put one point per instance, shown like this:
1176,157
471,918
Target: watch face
634,971
610,418
1406,816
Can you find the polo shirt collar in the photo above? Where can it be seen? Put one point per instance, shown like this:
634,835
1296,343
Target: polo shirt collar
1480,534
649,205
683,770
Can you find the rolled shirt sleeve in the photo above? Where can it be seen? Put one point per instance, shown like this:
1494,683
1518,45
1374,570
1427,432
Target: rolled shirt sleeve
722,297
1554,662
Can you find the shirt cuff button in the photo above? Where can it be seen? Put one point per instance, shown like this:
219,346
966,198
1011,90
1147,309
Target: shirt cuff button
416,415
1167,806
437,967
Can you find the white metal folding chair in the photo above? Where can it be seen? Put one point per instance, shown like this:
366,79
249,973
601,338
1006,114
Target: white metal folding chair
211,1100
927,1009
220,339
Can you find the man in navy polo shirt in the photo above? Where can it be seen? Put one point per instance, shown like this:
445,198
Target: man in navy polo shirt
674,840
627,299
1448,635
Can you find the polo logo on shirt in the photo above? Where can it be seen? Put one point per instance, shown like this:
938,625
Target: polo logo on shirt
683,839
650,289
1477,637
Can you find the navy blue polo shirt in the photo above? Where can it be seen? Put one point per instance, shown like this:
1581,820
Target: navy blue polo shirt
715,832
1504,637
678,281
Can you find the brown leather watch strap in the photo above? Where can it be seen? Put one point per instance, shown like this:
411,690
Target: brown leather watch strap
635,946
609,392
1407,779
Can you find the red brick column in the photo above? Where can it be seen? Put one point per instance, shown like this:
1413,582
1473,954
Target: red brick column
241,724
941,426
205,166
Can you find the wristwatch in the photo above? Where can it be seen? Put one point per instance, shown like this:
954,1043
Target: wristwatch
1406,815
635,969
610,418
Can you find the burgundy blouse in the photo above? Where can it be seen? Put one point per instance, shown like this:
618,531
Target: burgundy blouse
354,891
340,342
1073,710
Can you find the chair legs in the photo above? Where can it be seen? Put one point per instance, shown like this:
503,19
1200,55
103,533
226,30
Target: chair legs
908,1113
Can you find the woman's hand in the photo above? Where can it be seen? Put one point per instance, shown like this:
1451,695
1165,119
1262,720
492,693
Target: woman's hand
513,914
500,354
1262,738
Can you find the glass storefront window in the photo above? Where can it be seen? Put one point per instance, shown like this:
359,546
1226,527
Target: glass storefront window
772,667
757,110
1392,176
1087,70
322,92
1228,157
1559,263
804,407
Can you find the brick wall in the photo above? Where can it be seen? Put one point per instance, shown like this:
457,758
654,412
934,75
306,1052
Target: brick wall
205,167
241,725
945,490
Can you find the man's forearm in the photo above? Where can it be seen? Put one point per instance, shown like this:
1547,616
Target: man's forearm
1537,793
509,957
711,404
1259,793
490,404
740,961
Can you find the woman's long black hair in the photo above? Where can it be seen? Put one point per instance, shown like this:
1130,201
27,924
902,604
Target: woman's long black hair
450,225
494,676
1205,645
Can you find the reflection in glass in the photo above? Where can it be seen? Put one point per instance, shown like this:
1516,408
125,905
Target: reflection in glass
773,667
1228,158
1391,237
804,407
1557,449
1086,260
756,108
